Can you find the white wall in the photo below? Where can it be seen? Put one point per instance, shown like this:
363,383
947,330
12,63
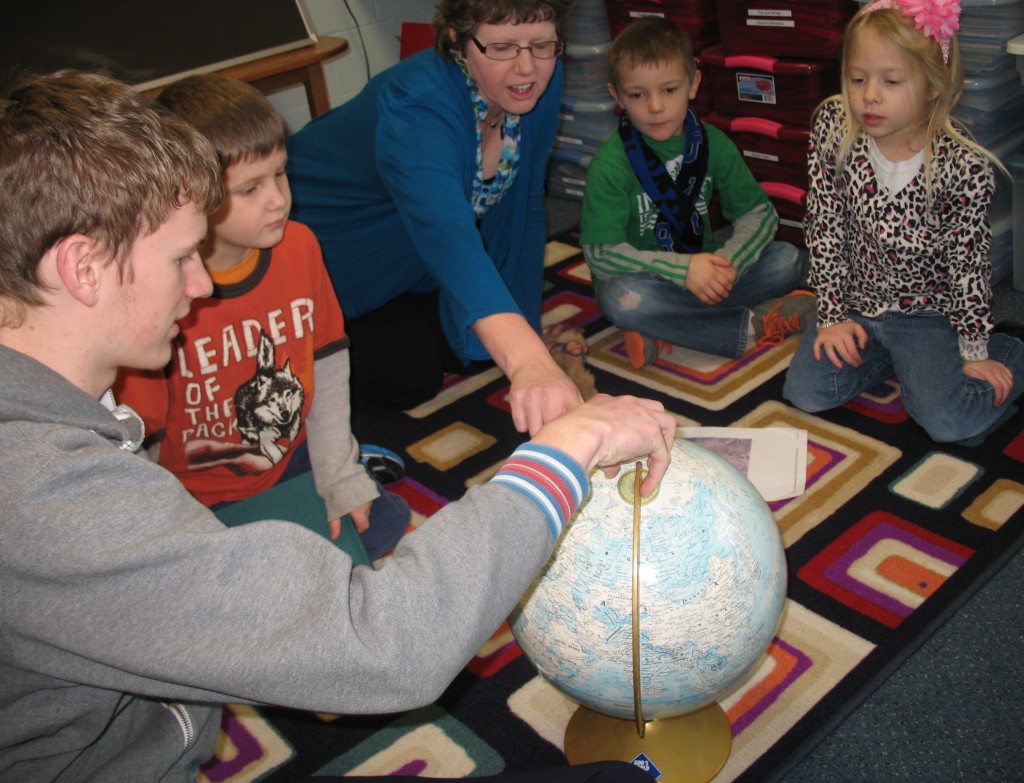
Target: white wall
371,28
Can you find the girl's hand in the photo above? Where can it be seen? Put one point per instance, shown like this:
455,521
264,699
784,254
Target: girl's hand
996,374
841,343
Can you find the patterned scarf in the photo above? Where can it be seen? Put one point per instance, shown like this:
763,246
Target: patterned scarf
679,227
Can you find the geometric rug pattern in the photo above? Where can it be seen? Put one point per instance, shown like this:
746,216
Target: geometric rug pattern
892,534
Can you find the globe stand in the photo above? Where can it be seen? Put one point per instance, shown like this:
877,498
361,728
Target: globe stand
689,748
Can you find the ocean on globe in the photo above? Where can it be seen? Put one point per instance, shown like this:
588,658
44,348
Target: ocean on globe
712,584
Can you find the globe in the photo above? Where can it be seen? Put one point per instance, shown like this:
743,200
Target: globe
710,581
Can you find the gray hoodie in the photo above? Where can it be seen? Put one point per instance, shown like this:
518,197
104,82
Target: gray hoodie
128,613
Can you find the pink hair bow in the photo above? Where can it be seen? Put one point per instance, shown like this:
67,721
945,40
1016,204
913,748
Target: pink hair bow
937,19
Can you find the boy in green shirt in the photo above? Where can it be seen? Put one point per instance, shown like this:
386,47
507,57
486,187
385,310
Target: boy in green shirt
659,271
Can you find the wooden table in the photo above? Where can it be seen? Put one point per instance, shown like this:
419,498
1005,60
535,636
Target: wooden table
298,66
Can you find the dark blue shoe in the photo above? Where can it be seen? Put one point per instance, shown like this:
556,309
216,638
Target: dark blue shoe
382,464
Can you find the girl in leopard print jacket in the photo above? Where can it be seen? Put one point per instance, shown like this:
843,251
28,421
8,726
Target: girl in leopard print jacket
898,233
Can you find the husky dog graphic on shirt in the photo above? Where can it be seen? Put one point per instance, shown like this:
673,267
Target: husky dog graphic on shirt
265,416
268,406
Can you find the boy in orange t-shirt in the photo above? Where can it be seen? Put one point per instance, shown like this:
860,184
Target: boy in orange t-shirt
257,390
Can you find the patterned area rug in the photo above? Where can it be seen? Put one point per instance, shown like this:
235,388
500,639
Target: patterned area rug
891,536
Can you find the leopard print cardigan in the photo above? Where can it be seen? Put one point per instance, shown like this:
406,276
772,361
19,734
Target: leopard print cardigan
872,250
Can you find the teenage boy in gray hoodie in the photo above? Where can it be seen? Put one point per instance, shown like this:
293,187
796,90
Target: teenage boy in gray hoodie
128,613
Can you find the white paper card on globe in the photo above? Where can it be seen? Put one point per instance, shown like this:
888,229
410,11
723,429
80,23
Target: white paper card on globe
773,458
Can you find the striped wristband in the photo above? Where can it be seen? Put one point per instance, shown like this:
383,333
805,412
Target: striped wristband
550,478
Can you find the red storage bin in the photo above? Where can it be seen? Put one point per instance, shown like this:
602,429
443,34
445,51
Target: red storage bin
786,91
791,204
698,17
772,151
703,104
785,28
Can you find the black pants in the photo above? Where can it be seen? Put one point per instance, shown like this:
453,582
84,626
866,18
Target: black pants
599,772
399,353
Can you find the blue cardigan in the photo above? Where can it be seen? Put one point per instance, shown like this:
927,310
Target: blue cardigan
385,180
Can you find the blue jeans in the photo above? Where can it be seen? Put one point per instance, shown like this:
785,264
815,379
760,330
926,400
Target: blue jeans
922,351
656,307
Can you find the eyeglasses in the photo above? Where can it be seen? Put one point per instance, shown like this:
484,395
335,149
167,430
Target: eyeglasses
546,50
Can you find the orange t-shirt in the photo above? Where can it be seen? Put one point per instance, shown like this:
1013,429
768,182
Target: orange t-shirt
232,402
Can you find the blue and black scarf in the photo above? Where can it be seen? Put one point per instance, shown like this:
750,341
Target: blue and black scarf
679,227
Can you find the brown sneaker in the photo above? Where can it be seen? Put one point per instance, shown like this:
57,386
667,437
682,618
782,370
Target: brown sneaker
643,350
777,319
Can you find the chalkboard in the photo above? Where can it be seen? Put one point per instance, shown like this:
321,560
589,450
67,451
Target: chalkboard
146,42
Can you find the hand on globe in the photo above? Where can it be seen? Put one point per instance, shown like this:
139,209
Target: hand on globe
607,431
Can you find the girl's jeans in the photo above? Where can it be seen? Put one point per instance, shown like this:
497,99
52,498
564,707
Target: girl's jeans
922,351
659,308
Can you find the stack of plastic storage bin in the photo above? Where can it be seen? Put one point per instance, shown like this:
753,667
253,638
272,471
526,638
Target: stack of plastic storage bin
992,108
588,111
992,104
778,59
697,17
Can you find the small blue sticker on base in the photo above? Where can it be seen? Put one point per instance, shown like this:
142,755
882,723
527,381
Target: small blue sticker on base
647,766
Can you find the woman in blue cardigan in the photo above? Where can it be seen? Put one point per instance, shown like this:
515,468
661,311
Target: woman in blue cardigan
425,192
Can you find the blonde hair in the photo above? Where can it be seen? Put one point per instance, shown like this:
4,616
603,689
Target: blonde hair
83,153
944,80
651,40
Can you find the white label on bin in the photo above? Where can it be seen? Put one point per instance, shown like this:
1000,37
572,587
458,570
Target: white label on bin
642,14
771,23
760,156
755,87
769,12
